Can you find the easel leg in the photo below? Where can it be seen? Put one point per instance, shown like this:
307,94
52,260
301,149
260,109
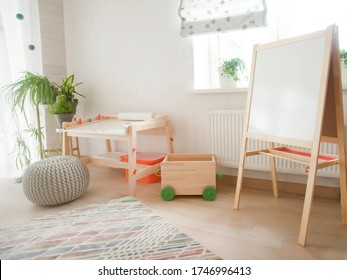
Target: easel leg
307,206
337,89
342,161
273,174
240,175
239,185
342,156
343,183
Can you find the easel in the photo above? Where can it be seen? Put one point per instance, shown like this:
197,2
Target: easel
328,120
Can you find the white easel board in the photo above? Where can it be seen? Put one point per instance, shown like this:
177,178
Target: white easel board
286,89
295,99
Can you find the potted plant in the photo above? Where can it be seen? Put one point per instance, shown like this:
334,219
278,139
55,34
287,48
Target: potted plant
62,110
34,89
232,71
343,57
68,89
343,60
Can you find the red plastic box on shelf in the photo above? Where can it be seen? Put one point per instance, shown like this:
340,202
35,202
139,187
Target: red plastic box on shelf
146,159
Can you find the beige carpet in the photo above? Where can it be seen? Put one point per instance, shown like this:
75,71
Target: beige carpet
121,229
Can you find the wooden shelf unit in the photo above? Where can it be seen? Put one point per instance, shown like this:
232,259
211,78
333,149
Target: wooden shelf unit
110,128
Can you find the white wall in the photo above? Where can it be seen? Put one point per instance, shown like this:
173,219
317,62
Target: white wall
130,57
53,60
52,39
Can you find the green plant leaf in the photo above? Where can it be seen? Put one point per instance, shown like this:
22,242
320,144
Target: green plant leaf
62,105
30,89
343,56
233,68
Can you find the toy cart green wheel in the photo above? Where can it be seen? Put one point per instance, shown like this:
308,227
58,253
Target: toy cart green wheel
167,193
209,193
219,176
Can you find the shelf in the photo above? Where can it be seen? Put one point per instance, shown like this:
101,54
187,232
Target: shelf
298,155
112,159
231,90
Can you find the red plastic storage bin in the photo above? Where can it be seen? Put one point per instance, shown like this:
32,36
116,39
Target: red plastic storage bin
146,159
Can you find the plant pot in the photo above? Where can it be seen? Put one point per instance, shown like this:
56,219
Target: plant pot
226,82
63,118
74,106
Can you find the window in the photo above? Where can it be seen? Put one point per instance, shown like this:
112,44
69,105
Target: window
285,18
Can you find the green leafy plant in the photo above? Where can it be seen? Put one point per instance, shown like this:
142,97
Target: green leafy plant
61,106
233,68
32,89
68,88
23,156
343,57
62,110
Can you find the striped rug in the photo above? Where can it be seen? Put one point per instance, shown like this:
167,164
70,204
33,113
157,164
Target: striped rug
122,229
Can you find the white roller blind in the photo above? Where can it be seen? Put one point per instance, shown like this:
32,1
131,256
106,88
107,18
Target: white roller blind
210,16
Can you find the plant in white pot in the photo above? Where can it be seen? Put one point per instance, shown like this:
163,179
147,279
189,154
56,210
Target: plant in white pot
231,71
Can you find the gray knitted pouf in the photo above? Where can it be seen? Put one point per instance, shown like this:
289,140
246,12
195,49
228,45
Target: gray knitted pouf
55,180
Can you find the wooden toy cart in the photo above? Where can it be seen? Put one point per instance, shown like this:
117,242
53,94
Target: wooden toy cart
188,174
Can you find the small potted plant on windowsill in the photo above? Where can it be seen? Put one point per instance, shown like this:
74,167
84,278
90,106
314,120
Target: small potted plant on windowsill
231,71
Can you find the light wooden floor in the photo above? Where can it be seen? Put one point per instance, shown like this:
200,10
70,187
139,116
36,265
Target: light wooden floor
264,227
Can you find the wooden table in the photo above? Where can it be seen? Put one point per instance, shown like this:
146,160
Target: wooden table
114,128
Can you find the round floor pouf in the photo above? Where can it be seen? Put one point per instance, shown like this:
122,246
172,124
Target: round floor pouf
55,180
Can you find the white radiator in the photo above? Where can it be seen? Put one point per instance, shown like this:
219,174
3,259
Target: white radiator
226,129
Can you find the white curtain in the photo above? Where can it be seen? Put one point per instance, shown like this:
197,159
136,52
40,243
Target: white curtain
7,161
19,51
209,16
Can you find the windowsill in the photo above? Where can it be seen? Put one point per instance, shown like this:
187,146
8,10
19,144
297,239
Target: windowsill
229,90
217,90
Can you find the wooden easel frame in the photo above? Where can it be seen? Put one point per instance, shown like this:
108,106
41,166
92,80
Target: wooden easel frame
329,128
